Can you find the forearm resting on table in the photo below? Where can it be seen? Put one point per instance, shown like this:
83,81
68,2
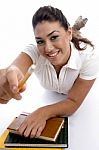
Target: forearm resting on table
73,101
63,108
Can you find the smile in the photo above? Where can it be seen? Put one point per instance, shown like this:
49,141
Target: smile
51,55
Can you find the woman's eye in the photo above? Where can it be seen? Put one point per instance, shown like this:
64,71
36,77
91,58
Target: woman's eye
40,42
54,37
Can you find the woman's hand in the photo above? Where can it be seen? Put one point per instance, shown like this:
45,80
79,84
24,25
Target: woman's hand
34,124
9,80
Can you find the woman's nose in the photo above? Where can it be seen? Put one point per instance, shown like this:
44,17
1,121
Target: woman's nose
49,47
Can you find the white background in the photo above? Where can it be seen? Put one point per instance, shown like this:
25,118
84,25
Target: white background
16,32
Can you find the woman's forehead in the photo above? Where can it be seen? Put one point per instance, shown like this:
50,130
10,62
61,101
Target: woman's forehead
47,27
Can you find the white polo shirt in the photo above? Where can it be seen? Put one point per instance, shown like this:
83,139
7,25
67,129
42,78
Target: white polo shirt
84,64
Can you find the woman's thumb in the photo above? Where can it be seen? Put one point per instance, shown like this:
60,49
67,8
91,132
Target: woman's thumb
12,76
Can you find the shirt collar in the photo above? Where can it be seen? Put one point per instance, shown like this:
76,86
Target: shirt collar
74,61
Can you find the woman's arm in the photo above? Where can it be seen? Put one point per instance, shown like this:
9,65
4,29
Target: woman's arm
10,77
75,97
23,62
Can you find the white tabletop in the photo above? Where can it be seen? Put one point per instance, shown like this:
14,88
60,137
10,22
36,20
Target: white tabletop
83,124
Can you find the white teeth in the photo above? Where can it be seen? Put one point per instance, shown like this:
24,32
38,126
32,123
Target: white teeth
54,54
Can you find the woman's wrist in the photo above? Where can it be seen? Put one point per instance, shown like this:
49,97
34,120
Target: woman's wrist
13,68
47,112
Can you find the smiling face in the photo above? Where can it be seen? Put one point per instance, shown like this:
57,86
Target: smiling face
53,42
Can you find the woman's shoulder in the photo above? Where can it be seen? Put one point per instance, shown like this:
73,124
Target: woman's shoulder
30,47
88,52
32,51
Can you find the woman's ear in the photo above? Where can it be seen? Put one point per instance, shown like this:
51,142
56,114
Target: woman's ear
70,33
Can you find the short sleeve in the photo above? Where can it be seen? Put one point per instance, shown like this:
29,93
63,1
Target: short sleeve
32,51
90,65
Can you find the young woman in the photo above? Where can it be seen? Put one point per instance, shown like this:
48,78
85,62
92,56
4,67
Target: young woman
65,63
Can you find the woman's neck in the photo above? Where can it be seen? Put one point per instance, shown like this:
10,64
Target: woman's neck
58,67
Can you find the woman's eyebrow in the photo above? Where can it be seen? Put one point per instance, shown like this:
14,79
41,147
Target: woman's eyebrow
52,32
48,34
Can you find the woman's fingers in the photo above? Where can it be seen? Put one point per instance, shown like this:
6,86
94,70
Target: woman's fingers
12,77
2,101
6,93
39,131
31,128
9,80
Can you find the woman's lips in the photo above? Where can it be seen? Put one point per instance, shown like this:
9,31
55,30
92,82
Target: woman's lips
52,55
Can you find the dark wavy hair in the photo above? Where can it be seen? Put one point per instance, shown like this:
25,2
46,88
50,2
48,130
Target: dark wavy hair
51,14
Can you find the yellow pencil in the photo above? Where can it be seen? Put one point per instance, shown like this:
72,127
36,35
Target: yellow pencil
27,75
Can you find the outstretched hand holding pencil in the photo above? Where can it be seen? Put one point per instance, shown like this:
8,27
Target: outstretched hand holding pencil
27,75
13,83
